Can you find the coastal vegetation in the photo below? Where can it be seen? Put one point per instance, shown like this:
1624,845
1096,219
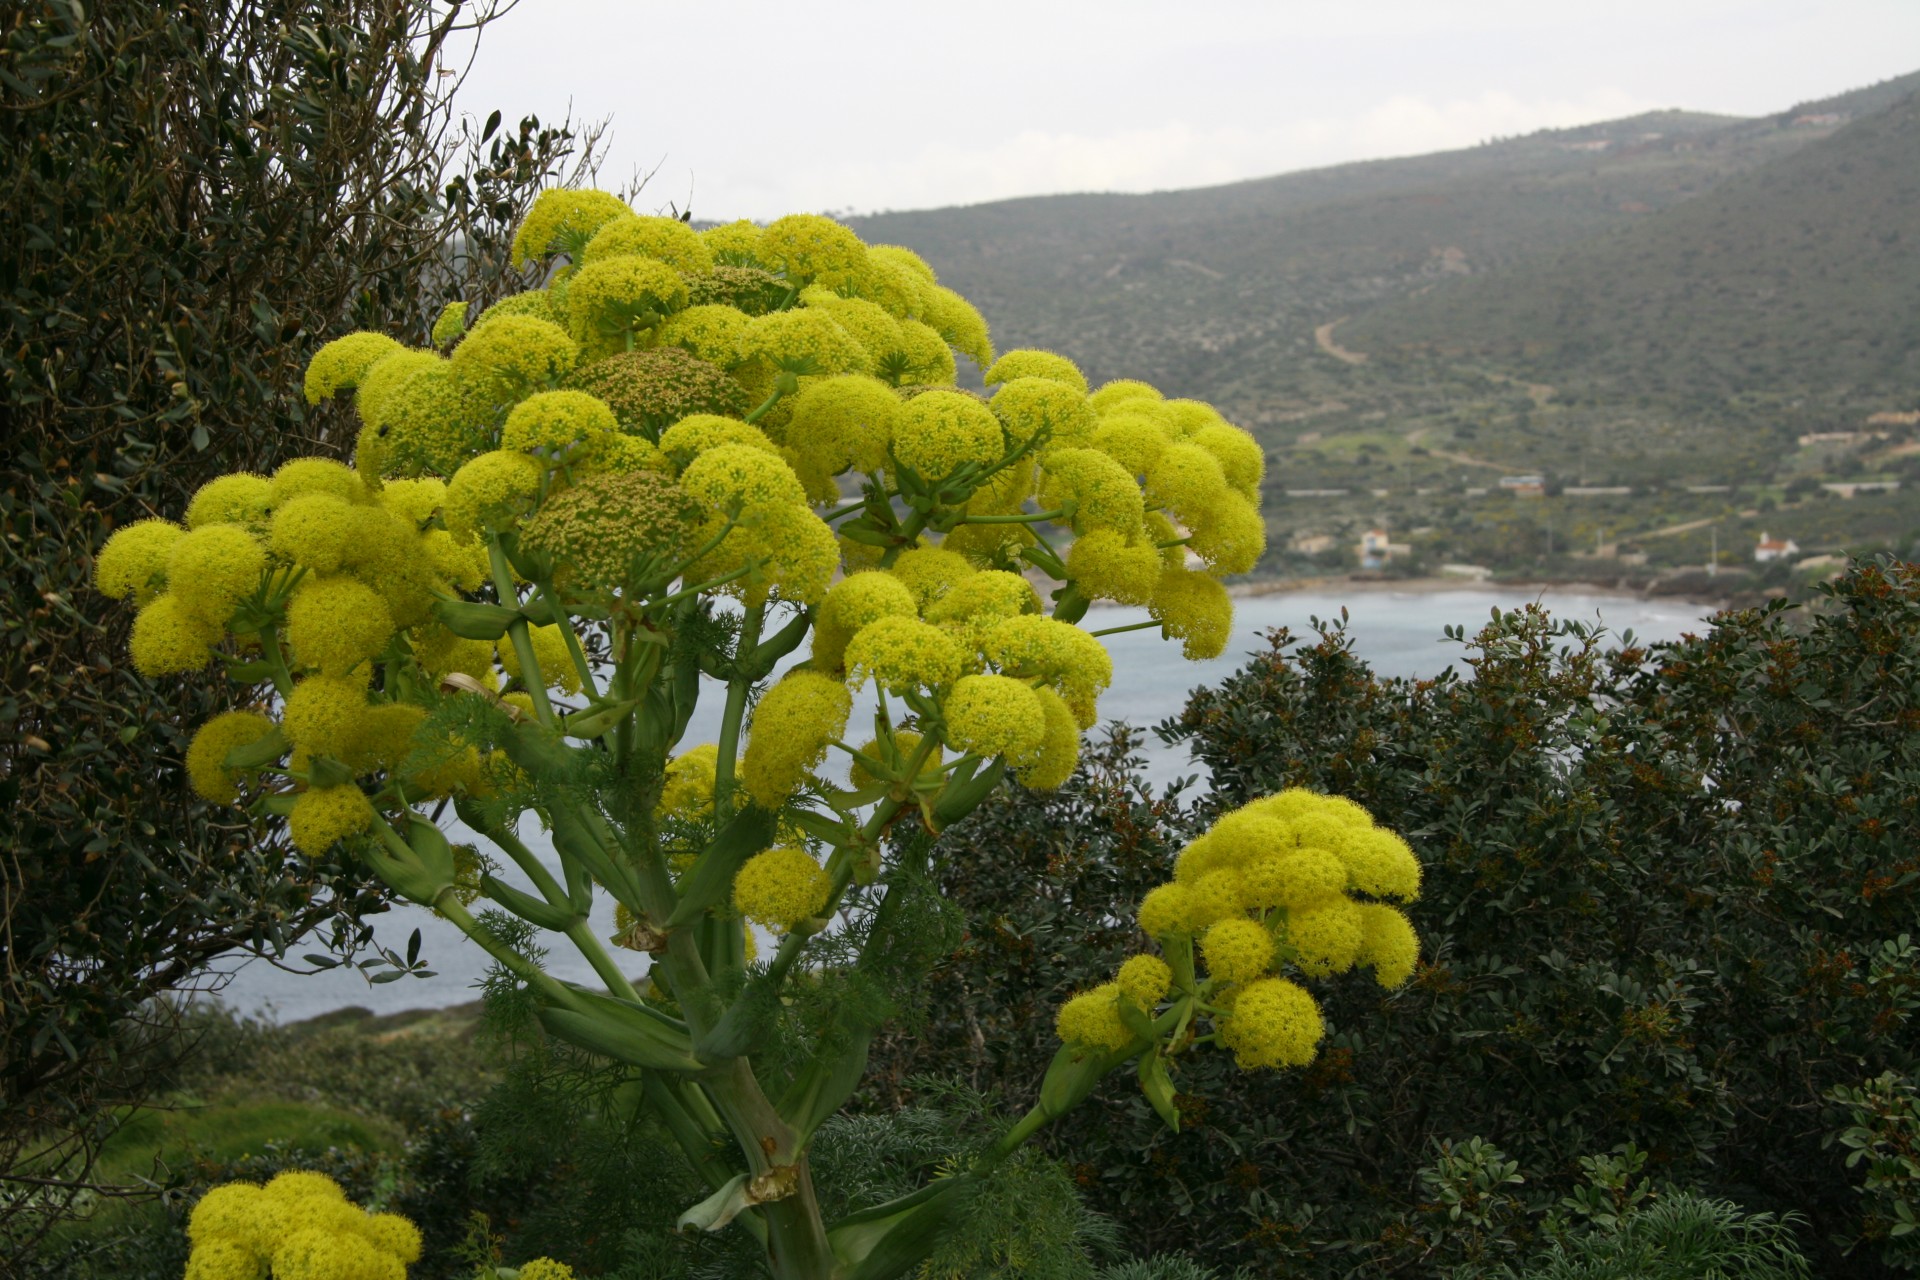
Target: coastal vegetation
380,501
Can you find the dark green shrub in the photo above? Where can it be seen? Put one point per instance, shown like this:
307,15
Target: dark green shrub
1659,885
197,194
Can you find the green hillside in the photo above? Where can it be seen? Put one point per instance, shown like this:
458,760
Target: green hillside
1216,292
1800,275
1651,322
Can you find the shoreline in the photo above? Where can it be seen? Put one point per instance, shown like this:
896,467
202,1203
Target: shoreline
1430,586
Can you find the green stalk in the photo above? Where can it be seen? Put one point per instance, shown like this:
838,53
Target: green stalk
694,559
909,535
1131,626
736,710
765,406
794,943
1010,1141
550,989
525,859
695,590
270,646
584,941
797,1247
1041,518
573,644
530,675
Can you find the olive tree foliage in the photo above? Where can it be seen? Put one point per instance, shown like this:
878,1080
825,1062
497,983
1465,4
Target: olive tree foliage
195,195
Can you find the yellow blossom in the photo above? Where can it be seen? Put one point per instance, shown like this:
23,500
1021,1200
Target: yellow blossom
1119,391
781,888
169,639
207,768
1030,363
240,498
1092,1019
903,653
668,240
1145,979
996,716
1237,949
1195,609
792,727
342,362
337,623
326,815
133,563
561,213
1274,1023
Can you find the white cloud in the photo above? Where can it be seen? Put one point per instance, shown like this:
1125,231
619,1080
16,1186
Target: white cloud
763,107
1179,154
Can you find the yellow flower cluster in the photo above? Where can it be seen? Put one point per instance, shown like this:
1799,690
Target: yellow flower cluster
671,412
1270,886
299,1226
781,888
793,726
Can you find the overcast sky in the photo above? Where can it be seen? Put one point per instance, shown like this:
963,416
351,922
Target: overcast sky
759,108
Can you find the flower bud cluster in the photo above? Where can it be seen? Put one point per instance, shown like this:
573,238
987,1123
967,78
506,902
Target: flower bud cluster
299,1224
1297,885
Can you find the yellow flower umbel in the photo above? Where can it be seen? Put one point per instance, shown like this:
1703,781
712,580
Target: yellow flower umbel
792,728
300,1226
671,463
1296,881
781,888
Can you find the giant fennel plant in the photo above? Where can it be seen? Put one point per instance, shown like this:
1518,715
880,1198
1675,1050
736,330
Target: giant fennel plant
686,455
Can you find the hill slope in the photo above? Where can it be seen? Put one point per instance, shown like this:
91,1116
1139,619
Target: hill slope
1216,292
1804,273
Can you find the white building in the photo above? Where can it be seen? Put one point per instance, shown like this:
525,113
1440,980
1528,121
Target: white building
1771,549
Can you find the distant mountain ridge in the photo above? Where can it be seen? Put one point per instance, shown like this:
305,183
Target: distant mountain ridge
1802,272
1216,292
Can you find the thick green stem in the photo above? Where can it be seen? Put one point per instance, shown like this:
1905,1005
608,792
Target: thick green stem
581,935
797,1247
276,660
1010,1141
737,690
702,552
523,857
530,675
909,536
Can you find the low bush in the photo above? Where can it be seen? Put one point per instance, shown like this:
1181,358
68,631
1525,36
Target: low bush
1666,897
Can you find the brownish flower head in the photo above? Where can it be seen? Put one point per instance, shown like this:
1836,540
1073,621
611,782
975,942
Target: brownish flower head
605,530
651,390
747,289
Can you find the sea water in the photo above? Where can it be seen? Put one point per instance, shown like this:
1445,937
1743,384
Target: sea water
1396,633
